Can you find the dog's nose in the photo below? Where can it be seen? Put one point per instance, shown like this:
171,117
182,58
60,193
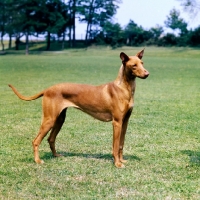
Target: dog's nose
146,73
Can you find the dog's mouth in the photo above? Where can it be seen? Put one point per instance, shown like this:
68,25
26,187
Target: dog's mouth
146,74
143,74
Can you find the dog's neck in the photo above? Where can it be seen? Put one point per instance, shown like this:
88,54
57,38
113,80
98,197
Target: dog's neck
124,81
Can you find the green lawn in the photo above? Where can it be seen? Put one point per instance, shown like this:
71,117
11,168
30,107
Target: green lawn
162,142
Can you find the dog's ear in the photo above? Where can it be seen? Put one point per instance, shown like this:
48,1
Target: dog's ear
124,57
140,54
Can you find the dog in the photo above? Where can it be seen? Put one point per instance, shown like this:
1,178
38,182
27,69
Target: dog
108,102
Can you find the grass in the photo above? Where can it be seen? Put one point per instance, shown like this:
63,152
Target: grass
162,142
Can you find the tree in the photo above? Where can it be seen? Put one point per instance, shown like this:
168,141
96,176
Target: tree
64,11
2,20
112,34
191,6
156,31
53,19
135,34
22,19
49,17
30,17
7,13
27,9
175,22
96,13
168,40
15,24
195,37
71,21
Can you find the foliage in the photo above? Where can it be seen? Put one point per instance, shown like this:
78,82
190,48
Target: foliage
96,13
168,39
175,22
162,141
56,19
195,37
191,6
156,31
2,22
111,34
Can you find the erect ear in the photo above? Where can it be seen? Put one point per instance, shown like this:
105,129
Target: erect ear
140,54
124,57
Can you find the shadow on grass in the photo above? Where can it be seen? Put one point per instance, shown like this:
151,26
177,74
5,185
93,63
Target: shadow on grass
194,156
48,156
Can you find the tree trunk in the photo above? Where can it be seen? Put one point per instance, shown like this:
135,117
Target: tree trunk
70,25
48,40
27,44
2,44
86,35
63,41
90,30
89,21
70,36
10,42
17,42
74,23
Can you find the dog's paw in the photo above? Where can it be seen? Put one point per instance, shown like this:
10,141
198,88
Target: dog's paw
57,155
39,161
119,165
123,161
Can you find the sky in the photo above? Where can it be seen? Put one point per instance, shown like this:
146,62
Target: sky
145,13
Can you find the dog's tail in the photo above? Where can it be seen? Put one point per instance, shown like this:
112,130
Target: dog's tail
26,98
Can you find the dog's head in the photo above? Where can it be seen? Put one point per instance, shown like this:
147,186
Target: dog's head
133,65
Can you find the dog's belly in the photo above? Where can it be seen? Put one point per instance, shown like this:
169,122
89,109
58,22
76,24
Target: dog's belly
102,116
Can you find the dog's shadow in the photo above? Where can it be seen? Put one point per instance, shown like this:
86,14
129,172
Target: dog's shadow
194,156
49,156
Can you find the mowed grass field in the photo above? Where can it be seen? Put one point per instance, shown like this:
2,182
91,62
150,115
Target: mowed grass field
162,142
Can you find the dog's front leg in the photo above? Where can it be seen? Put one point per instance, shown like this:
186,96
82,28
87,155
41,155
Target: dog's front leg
117,128
124,128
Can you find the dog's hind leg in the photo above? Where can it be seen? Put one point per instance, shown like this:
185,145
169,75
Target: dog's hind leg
46,126
55,130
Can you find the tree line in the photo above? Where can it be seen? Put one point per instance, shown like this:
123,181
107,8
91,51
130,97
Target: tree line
56,19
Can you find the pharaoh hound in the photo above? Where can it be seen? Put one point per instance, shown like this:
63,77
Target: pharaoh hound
108,102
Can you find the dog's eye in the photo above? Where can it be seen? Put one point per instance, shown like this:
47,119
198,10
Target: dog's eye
134,66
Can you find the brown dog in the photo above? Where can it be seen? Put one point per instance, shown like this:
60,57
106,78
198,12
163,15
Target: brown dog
109,102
